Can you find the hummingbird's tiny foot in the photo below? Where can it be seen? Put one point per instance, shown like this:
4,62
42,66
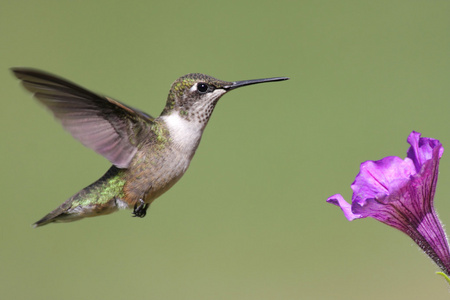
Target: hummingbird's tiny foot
141,209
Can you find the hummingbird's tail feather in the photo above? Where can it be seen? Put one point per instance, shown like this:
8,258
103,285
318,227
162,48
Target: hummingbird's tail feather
58,215
100,198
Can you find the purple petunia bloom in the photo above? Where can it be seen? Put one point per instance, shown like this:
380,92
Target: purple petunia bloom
400,194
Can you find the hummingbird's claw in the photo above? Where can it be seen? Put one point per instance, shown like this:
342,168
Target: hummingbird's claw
141,209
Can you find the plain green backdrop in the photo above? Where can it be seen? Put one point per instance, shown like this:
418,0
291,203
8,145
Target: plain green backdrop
249,219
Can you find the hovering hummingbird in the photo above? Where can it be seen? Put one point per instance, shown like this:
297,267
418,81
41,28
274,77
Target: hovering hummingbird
149,155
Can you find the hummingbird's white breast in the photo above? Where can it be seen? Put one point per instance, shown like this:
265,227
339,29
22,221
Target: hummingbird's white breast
185,134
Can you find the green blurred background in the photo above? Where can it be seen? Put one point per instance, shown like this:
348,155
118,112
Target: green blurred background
249,219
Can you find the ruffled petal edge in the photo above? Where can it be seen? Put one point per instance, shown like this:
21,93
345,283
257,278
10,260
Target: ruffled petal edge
346,207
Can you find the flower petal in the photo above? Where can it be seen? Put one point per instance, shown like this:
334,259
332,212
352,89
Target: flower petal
421,149
338,200
379,179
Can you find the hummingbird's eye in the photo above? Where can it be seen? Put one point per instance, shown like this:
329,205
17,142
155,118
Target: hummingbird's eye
202,87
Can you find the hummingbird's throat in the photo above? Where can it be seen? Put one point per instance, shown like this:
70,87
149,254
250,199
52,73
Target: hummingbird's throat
184,134
200,110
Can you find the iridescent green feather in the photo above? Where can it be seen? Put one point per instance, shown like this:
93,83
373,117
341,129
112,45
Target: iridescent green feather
106,188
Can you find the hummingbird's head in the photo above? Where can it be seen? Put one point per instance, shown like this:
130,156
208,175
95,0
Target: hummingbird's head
195,95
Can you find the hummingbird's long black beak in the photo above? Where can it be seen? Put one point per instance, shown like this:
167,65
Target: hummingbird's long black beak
237,84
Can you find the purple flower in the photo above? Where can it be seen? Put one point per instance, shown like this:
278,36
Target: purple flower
400,194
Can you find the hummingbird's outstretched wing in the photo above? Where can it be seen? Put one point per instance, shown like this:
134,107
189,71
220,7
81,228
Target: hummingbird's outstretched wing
107,126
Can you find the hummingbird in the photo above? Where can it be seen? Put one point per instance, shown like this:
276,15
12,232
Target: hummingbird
148,155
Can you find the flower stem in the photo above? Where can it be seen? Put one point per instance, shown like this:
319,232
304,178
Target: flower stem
445,276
